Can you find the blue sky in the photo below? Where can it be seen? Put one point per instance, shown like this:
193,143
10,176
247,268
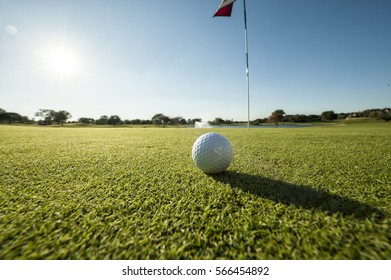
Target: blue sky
137,58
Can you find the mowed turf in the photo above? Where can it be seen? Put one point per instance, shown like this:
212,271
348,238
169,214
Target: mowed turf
134,193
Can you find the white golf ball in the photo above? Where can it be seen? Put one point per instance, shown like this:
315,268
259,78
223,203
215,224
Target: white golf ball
212,153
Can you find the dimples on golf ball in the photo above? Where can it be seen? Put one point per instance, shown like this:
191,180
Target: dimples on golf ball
212,153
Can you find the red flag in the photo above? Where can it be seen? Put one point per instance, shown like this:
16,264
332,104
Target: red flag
225,8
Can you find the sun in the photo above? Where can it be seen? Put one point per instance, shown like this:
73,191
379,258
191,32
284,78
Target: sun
62,62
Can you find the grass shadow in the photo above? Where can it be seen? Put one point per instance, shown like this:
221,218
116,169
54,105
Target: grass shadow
299,196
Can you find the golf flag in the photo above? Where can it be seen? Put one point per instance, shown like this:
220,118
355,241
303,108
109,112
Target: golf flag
225,8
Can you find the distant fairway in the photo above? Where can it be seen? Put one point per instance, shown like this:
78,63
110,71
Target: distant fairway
134,193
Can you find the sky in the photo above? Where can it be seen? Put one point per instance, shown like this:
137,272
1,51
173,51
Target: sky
137,58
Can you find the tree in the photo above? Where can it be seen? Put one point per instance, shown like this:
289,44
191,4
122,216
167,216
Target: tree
218,121
314,118
160,119
386,114
135,121
10,117
114,120
178,121
276,117
102,120
46,114
146,122
61,117
328,116
86,120
377,114
49,116
259,121
193,121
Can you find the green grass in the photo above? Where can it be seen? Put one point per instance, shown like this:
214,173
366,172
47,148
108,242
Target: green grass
134,193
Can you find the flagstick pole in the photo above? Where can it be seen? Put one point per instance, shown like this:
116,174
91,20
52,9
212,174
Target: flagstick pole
247,68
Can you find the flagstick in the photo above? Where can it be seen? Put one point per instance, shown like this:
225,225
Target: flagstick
247,69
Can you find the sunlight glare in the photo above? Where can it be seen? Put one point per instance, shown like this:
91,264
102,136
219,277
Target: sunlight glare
62,62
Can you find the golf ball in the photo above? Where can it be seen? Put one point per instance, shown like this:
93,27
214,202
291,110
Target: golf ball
212,153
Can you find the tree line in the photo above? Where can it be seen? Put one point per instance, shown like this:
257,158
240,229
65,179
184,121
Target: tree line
157,119
279,116
49,117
